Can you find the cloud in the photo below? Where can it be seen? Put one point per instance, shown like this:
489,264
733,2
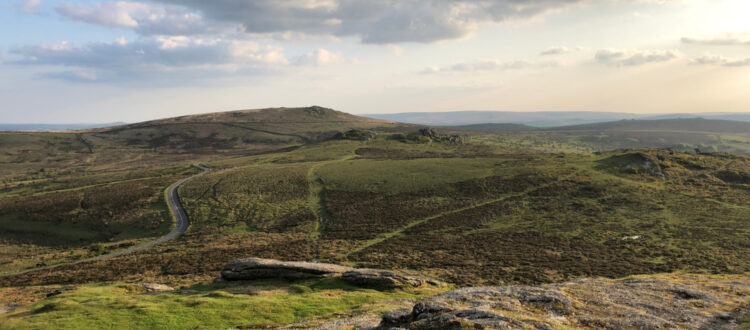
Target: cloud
319,57
634,57
555,50
397,50
145,19
150,56
728,40
26,6
558,50
489,65
721,61
85,75
375,22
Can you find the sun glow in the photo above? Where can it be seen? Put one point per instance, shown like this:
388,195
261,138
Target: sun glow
733,15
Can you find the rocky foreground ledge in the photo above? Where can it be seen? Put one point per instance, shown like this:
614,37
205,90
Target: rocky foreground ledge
671,301
665,302
259,268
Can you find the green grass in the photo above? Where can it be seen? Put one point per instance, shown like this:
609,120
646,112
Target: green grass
397,176
125,306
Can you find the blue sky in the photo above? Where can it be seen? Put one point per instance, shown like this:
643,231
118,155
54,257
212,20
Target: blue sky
103,61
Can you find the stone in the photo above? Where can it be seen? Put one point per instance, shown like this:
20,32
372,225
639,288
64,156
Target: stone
380,278
395,318
54,293
687,294
258,268
9,308
155,287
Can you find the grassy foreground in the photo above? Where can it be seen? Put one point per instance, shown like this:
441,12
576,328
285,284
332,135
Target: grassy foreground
258,303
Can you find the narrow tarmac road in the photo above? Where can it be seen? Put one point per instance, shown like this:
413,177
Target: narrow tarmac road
181,225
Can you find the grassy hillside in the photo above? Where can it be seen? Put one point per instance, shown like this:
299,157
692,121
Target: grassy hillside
37,157
62,192
464,213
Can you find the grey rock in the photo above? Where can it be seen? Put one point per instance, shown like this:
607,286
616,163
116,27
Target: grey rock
155,287
257,268
380,278
687,294
639,303
428,310
395,318
54,293
9,308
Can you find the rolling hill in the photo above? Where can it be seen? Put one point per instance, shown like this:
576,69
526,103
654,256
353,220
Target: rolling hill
53,127
664,125
542,119
35,156
495,127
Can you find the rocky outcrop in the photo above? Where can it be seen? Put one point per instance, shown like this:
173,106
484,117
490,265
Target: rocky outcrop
642,303
380,278
155,287
258,268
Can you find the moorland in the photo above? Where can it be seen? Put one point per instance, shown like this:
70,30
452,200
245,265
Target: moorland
469,206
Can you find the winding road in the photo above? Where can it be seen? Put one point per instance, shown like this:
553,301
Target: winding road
181,225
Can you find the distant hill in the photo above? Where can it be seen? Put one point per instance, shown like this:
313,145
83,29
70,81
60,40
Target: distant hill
238,129
493,127
179,140
53,127
681,124
538,118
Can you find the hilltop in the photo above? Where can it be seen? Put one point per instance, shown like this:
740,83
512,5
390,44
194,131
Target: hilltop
237,129
174,141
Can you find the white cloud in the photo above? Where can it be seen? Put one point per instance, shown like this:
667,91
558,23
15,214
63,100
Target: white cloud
319,57
489,65
634,57
710,59
146,19
397,50
558,50
124,59
26,6
726,40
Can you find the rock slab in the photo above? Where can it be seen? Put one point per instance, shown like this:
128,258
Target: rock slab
155,287
259,268
380,278
639,303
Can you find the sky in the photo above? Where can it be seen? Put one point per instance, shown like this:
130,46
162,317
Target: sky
104,61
